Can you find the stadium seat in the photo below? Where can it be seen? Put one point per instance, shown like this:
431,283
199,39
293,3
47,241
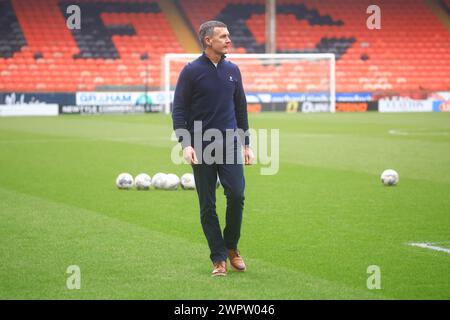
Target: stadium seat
104,52
340,28
36,45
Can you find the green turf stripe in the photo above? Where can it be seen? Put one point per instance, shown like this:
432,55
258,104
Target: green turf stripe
122,260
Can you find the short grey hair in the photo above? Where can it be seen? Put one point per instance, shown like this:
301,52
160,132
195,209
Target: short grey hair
207,30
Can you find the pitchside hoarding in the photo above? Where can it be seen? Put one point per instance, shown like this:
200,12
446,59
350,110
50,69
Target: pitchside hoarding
89,109
310,102
441,106
140,102
356,106
43,109
402,104
441,101
312,107
117,102
101,102
121,98
31,104
10,98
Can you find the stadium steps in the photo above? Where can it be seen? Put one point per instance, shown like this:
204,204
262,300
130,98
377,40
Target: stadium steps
179,26
439,12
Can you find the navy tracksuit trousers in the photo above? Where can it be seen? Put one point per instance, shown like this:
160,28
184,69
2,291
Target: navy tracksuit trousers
231,176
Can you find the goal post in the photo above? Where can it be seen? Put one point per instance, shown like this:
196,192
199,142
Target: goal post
281,82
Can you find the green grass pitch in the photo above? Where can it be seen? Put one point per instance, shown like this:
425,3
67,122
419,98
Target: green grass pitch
309,232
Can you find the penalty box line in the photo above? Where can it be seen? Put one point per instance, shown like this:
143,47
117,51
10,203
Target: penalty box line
430,246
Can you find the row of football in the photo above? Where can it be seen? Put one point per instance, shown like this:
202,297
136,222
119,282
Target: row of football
171,181
159,181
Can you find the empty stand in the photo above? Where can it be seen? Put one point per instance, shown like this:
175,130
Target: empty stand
107,51
121,43
410,52
11,36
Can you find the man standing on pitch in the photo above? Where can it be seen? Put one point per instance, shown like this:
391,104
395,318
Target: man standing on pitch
209,89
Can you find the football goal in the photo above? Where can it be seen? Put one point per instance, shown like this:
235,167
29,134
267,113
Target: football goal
291,82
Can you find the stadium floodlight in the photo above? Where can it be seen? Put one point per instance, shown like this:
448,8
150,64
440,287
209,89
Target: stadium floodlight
282,81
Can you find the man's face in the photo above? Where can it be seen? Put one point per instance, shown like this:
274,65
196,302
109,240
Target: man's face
220,42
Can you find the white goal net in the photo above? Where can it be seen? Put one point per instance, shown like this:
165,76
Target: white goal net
291,82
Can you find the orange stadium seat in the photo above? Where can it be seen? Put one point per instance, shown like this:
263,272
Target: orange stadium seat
107,51
410,35
38,52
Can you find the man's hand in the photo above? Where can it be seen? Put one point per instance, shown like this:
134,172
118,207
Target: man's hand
189,155
248,156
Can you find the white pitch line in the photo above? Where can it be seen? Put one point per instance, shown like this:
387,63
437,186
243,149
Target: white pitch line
429,246
417,132
398,132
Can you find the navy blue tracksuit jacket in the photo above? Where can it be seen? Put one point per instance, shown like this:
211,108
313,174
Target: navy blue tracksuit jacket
215,96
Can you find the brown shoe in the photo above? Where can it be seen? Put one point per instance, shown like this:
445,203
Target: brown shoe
236,261
220,269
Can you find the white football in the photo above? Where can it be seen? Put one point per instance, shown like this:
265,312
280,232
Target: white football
124,181
188,181
389,177
172,182
143,181
159,180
